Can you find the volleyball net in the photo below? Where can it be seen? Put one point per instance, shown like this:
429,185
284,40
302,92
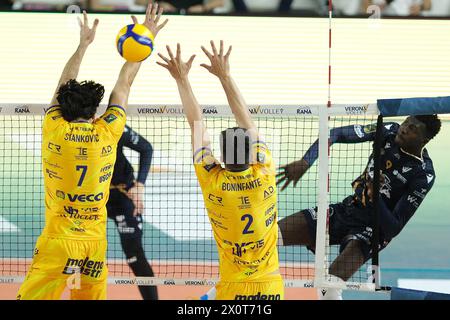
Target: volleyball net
177,236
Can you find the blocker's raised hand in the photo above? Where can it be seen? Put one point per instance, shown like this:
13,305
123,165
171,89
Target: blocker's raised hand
220,65
87,35
152,17
177,68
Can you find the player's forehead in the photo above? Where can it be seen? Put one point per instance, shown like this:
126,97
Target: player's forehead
412,120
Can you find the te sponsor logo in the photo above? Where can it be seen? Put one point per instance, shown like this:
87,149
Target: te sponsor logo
23,109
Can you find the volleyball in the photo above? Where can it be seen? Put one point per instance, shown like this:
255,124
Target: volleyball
135,42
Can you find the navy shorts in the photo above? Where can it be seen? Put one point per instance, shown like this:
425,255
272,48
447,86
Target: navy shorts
120,208
348,221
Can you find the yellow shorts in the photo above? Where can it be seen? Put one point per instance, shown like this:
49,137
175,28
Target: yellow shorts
59,263
264,290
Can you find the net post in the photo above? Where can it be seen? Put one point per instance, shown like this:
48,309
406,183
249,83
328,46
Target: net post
322,201
375,270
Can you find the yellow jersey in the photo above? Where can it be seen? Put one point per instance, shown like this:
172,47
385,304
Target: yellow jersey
242,209
77,162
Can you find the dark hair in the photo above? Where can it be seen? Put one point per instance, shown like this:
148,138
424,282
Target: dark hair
432,124
238,141
79,100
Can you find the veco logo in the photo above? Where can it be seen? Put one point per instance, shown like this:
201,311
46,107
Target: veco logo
267,110
160,110
23,109
80,197
354,110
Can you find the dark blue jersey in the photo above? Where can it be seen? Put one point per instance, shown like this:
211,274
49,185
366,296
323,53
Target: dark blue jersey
123,171
407,178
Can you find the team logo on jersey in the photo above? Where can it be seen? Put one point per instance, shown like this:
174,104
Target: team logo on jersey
52,174
370,128
60,194
54,148
386,187
271,219
269,192
85,266
399,176
388,164
388,145
430,178
261,157
216,200
406,169
359,131
269,210
110,118
209,167
241,248
106,151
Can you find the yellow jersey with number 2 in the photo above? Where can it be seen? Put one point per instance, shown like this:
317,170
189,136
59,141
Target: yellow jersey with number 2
242,209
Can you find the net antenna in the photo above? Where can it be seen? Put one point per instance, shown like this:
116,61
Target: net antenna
322,243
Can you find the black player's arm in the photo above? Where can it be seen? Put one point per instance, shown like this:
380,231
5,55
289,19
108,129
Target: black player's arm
392,222
72,67
119,95
136,142
348,134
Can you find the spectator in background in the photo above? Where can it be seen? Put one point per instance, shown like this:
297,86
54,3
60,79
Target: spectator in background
47,5
439,8
313,7
348,7
118,5
5,5
191,6
400,7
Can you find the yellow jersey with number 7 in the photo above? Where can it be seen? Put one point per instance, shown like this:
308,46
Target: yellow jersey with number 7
77,162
